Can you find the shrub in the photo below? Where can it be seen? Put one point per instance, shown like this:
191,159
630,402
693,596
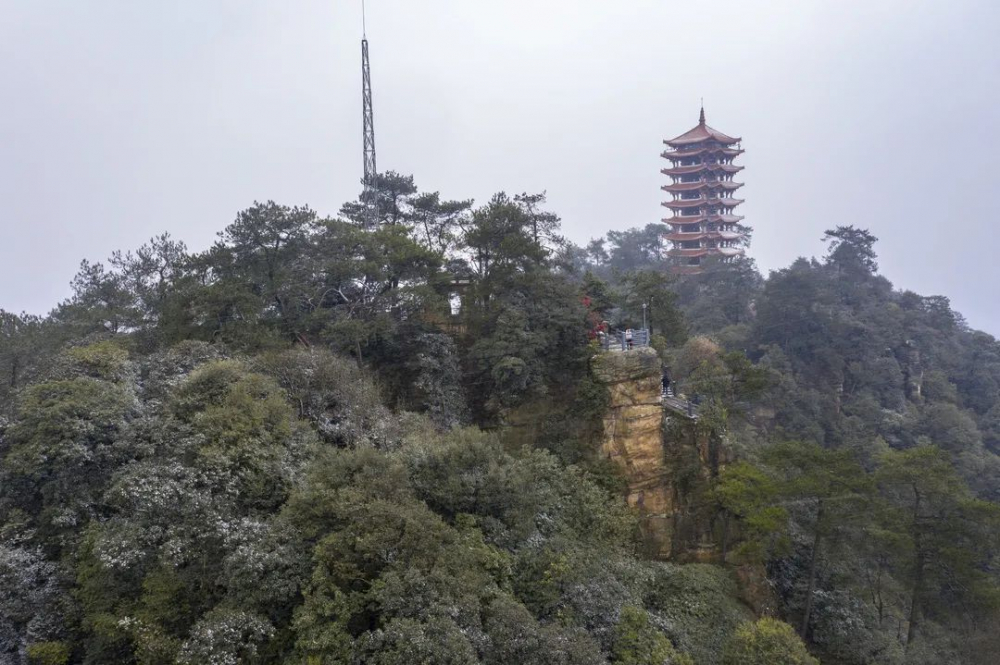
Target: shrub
766,642
637,642
48,653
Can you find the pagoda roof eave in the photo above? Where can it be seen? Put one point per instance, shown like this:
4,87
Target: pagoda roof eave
702,133
725,202
683,186
681,154
680,237
701,184
697,168
700,235
684,203
693,219
706,251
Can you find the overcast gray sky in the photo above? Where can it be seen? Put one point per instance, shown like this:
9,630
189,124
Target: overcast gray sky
124,119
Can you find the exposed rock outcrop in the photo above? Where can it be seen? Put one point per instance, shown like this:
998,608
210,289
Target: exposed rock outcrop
633,437
665,457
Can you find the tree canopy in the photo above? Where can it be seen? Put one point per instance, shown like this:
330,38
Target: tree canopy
322,440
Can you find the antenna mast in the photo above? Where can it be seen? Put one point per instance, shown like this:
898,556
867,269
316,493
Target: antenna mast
370,193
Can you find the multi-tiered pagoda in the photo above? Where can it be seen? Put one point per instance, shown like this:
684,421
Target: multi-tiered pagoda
703,226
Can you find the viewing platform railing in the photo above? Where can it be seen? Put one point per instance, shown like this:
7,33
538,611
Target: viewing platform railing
618,340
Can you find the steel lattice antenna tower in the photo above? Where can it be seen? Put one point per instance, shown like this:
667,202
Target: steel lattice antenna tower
370,194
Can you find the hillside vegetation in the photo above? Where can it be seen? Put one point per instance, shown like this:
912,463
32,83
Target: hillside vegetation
289,448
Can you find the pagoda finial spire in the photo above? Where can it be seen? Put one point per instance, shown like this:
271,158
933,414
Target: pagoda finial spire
701,116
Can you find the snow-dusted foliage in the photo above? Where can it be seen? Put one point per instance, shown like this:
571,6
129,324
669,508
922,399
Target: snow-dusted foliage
336,396
225,637
29,602
166,481
438,385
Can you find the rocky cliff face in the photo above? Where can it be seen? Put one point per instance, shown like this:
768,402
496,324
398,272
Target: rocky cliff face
633,438
665,459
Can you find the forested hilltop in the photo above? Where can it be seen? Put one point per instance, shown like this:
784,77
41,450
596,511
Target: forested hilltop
296,447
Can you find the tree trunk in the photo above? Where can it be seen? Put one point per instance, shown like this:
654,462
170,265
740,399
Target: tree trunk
915,594
725,535
811,586
918,572
875,588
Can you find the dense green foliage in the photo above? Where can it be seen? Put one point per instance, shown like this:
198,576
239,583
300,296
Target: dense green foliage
296,447
766,642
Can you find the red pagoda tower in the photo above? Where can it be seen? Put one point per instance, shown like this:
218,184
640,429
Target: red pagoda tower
703,226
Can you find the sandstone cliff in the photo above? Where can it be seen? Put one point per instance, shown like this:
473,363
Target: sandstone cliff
665,458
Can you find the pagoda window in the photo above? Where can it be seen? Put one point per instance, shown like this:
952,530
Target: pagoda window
690,244
694,261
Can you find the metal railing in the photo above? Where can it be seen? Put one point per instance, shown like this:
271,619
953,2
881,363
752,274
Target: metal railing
619,340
